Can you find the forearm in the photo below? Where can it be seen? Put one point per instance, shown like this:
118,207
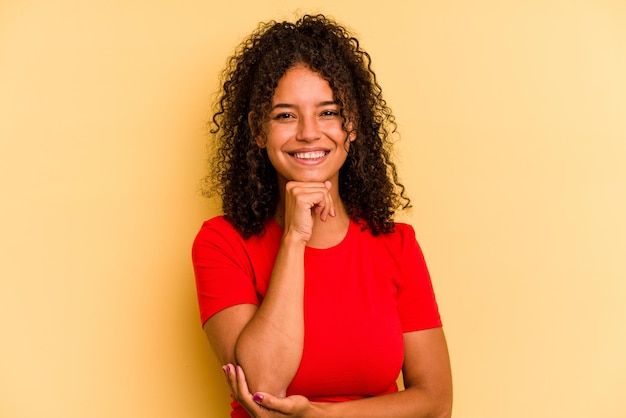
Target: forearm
409,403
270,346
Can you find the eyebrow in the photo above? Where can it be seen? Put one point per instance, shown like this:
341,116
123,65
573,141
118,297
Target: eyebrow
287,105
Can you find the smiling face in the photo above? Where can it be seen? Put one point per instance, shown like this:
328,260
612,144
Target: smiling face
304,135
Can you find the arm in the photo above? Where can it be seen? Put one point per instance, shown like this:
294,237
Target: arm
267,341
427,380
270,346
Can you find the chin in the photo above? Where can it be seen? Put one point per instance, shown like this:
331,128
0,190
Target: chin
310,179
307,178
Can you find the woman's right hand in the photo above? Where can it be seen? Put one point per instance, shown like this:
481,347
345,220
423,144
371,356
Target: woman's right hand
264,405
303,201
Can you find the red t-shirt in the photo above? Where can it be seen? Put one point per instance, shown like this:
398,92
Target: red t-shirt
360,296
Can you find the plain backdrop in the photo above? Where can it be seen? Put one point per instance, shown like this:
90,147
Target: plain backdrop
512,118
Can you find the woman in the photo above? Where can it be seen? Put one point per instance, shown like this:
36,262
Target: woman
310,295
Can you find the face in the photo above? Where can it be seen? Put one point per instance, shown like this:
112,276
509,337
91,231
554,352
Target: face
304,136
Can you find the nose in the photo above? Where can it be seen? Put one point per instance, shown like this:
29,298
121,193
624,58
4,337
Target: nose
308,129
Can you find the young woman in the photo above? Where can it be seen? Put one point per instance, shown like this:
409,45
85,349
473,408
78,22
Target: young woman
310,295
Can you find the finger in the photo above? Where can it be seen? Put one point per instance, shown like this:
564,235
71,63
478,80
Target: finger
294,405
329,197
243,395
305,184
326,206
231,379
315,199
242,384
269,401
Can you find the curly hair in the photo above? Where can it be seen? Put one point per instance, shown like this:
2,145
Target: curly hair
241,172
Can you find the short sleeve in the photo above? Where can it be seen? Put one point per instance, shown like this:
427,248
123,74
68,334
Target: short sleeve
417,305
224,276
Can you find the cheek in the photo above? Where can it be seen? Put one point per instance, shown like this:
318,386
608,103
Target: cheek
271,154
276,157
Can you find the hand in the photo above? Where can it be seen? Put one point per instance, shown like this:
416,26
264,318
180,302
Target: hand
264,405
302,201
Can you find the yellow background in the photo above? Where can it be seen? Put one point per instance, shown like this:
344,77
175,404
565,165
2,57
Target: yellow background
513,124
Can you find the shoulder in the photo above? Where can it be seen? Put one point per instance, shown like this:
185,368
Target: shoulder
404,230
215,233
399,244
218,224
219,234
215,228
402,233
407,240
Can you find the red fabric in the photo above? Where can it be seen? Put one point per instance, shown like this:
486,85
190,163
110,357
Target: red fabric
360,296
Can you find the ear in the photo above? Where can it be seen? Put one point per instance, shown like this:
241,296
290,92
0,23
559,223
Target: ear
259,138
351,132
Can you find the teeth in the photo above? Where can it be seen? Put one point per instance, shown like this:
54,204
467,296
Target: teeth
309,155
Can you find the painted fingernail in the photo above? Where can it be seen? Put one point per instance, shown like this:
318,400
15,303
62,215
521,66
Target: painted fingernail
257,397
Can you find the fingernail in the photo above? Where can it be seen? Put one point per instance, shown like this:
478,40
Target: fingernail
257,397
225,369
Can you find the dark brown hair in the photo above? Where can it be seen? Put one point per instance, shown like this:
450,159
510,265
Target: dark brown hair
241,173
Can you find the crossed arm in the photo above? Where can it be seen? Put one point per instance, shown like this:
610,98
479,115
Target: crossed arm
266,341
427,381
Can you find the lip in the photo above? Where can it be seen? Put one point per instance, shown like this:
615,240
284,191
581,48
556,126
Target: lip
310,155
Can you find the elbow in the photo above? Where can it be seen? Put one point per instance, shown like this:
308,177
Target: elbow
443,407
432,404
445,412
257,379
439,404
440,410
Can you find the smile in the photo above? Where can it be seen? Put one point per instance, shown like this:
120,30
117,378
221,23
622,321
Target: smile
311,155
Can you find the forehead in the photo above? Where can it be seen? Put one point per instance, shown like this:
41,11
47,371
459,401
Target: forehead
302,83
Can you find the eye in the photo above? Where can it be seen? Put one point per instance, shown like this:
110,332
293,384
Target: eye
330,113
279,116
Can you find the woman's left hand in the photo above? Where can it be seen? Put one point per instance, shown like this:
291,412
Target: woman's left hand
261,404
